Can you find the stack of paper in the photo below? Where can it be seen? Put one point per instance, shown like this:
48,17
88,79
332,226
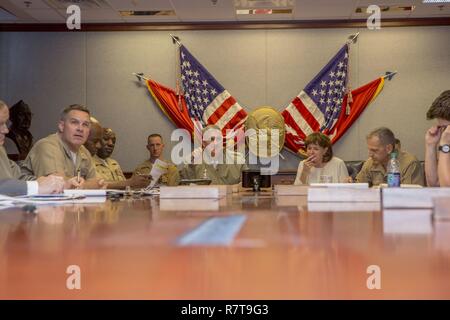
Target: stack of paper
85,192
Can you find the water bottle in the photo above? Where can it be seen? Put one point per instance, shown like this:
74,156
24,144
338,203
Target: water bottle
393,171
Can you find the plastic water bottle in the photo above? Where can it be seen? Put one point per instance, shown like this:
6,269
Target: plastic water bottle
393,171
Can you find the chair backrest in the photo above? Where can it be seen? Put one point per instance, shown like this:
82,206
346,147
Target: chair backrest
353,168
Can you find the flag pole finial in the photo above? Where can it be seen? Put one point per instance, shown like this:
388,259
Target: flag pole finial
389,75
175,39
140,76
353,38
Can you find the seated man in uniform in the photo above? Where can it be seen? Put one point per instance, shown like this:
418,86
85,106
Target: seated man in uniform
94,140
63,152
109,169
213,167
380,144
155,146
437,143
12,181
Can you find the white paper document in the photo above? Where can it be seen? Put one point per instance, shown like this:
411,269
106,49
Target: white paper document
85,192
158,169
60,199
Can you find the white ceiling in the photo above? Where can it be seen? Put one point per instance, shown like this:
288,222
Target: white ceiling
107,11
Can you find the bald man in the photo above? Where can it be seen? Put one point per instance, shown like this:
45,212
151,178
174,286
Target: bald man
94,140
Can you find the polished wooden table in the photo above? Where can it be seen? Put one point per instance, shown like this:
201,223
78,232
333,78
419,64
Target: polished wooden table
127,249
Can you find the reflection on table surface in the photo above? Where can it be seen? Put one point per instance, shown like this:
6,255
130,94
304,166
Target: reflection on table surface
128,249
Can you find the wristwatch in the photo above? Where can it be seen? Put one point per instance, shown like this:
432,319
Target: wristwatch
445,148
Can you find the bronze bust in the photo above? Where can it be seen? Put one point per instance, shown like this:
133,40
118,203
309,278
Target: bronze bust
20,117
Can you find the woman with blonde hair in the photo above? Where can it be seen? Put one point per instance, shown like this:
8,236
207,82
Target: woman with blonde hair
320,165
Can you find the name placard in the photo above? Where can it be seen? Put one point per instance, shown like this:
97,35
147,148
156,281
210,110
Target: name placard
290,190
192,192
343,195
412,198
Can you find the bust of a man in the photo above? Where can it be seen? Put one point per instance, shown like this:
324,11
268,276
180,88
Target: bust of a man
20,116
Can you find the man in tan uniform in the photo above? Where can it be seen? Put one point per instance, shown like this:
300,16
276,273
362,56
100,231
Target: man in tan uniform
63,152
94,140
437,142
106,167
109,169
12,181
155,146
380,143
219,172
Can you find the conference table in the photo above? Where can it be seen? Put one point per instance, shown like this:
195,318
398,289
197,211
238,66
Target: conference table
130,248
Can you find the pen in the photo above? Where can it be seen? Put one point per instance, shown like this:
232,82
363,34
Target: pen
78,176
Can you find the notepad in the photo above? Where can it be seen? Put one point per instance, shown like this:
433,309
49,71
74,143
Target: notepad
85,192
53,197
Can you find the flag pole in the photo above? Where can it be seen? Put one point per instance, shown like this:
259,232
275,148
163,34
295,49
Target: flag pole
175,39
178,89
389,75
352,38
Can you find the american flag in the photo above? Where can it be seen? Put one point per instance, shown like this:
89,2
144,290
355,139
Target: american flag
318,106
208,102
